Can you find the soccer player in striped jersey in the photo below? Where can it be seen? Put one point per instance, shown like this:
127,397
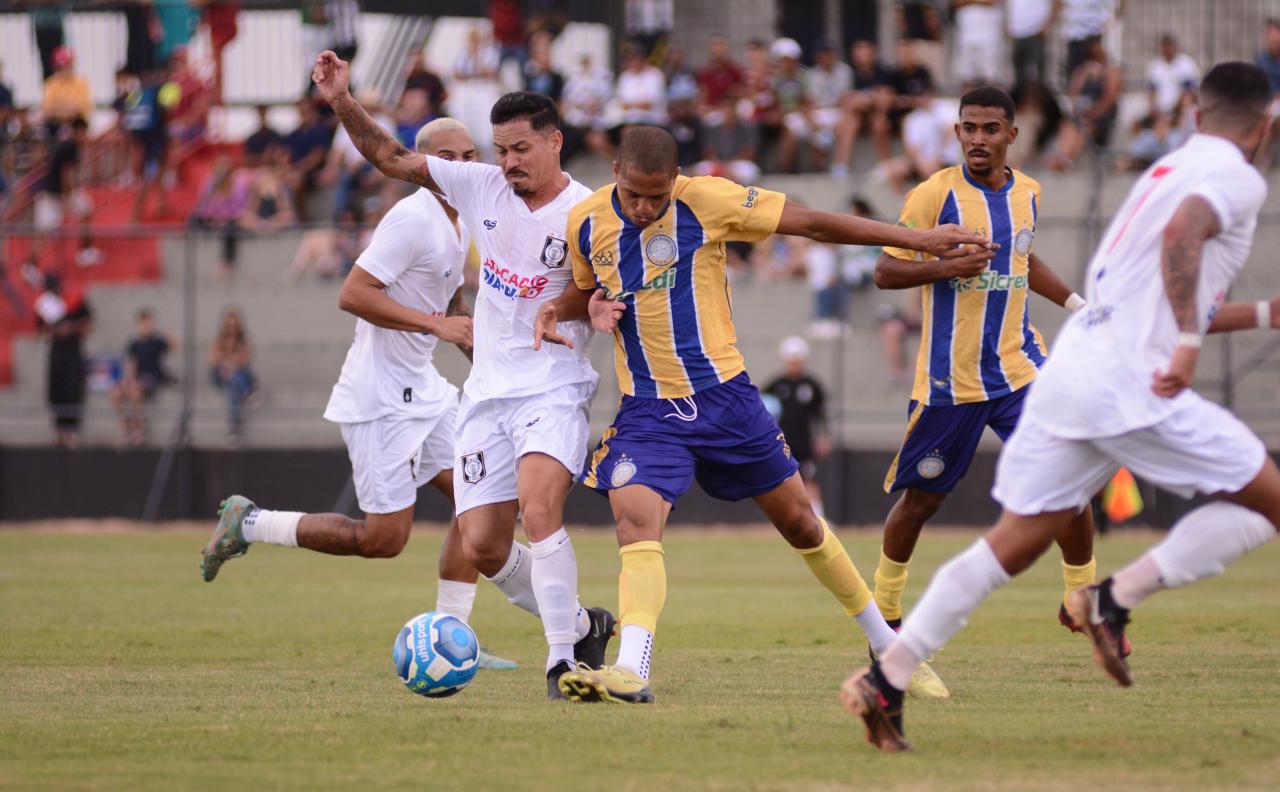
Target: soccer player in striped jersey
978,351
649,268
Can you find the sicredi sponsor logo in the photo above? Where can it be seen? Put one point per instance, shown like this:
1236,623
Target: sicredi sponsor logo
988,281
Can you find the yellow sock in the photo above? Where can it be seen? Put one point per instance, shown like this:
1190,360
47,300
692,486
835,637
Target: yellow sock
891,579
830,564
642,585
1073,577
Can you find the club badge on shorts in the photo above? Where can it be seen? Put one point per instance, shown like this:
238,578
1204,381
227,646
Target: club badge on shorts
931,466
622,472
473,467
553,252
660,250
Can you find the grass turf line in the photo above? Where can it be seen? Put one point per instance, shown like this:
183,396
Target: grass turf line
123,669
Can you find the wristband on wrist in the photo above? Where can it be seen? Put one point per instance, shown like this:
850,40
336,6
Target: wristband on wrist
1264,314
1193,340
1074,303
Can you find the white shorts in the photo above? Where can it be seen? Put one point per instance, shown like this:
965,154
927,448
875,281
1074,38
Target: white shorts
495,433
391,457
817,128
1200,448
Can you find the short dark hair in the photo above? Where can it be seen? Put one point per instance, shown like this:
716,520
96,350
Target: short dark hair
648,149
144,313
1234,92
989,96
538,108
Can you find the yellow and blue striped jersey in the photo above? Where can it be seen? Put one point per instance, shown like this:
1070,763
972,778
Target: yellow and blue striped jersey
976,340
676,337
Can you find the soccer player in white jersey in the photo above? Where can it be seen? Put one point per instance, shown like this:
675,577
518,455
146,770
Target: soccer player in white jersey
522,423
396,412
1116,392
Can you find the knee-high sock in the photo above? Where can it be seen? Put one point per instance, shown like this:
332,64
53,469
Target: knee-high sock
555,584
1199,546
891,579
642,591
831,565
515,579
455,598
1074,577
958,587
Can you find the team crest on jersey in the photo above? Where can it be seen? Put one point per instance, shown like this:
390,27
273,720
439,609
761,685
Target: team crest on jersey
931,466
553,252
622,472
1022,242
473,467
660,250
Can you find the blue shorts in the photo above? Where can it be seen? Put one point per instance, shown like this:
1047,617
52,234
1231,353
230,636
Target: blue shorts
941,440
724,437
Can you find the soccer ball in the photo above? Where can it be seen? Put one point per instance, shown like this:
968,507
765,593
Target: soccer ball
435,654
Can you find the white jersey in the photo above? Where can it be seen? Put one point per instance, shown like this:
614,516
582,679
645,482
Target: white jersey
417,252
1097,381
524,262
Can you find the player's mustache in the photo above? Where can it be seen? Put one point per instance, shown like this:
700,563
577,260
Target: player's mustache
516,172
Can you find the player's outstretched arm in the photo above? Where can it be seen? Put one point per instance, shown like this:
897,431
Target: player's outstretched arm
895,273
841,229
365,296
1182,246
1046,283
1246,316
332,77
575,303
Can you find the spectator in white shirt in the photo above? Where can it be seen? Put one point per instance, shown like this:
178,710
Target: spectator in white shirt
1028,23
582,106
977,42
1168,76
641,92
815,121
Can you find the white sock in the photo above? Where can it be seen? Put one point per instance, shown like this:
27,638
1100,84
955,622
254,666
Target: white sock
515,579
1136,582
271,527
1202,543
879,634
555,584
957,588
455,598
635,648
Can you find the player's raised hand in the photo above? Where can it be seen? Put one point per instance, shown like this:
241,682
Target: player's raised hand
332,75
605,312
544,327
965,262
1178,376
940,239
454,329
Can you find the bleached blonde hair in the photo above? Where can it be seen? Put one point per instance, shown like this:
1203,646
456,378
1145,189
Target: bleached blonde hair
441,124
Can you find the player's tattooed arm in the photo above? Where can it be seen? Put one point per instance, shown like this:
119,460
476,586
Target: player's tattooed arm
458,307
1245,316
332,77
1182,247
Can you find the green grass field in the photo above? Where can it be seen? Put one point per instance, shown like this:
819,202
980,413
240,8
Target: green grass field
124,670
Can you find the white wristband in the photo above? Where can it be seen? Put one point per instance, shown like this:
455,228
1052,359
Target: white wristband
1074,303
1193,340
1264,314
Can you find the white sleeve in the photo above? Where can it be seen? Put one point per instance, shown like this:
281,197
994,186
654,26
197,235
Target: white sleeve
394,246
462,183
1236,194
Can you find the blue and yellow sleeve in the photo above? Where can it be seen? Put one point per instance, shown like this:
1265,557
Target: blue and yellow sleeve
730,212
579,235
919,211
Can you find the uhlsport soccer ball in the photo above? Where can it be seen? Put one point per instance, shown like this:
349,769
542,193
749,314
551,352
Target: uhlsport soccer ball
435,654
